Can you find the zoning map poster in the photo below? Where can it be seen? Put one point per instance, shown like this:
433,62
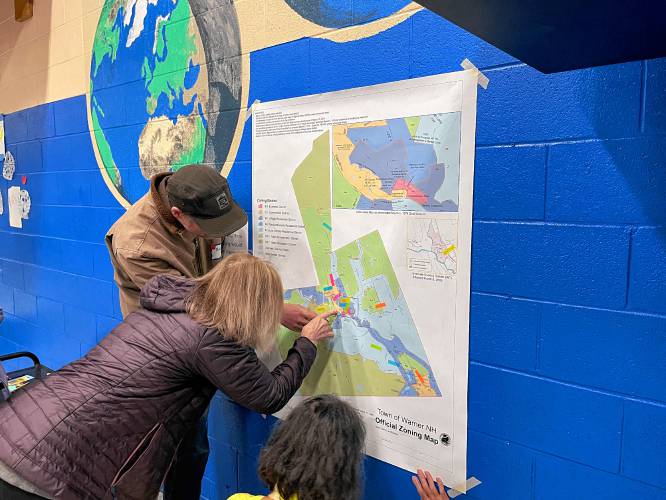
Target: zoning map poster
362,199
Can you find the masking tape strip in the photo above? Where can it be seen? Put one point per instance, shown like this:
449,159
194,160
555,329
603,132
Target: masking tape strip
483,79
248,113
469,484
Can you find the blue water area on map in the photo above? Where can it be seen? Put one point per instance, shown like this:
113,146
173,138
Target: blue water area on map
391,153
377,335
312,295
388,163
354,335
367,204
396,348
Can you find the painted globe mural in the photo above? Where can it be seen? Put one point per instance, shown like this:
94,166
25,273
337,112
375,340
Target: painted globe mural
151,101
167,84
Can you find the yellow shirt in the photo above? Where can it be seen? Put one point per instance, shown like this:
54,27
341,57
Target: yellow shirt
246,496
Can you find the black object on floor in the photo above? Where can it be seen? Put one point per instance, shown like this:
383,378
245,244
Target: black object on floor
23,377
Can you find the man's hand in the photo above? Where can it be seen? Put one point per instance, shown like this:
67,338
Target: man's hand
427,488
319,328
296,317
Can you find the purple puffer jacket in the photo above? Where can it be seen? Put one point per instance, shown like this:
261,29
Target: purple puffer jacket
107,425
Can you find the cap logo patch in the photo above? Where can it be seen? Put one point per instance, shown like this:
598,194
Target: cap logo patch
222,201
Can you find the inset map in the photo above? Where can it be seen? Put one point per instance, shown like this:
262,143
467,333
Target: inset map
400,164
431,246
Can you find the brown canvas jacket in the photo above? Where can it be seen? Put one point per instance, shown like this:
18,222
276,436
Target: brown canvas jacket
148,240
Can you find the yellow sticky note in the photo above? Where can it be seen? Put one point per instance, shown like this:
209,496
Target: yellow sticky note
448,250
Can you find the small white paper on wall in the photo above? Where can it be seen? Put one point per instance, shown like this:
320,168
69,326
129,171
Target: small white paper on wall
15,207
25,204
2,204
236,242
216,251
2,138
8,166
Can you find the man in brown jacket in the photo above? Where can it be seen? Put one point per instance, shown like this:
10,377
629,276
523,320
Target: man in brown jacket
165,232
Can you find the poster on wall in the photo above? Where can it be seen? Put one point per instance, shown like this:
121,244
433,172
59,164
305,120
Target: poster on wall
236,242
362,199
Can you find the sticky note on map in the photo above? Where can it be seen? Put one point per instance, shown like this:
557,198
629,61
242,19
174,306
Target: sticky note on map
448,250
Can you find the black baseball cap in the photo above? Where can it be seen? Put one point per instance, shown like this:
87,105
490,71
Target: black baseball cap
203,194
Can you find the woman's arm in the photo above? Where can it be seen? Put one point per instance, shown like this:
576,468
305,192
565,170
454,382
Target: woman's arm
237,371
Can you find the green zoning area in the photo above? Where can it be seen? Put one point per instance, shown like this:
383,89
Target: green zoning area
312,187
346,195
343,374
376,261
369,299
344,257
413,124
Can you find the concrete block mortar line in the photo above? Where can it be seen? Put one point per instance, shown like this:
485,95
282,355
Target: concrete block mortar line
643,97
531,371
533,479
101,243
604,392
569,304
64,272
65,205
545,183
60,172
238,469
569,223
619,465
518,222
555,142
632,231
538,338
537,452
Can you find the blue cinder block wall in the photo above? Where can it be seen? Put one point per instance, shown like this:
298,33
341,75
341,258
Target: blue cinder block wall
567,395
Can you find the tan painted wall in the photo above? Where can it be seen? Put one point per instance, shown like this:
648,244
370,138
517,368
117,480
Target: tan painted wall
47,58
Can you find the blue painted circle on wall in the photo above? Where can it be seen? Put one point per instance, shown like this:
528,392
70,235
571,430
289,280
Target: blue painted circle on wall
339,13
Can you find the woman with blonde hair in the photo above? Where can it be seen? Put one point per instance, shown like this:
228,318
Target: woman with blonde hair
108,425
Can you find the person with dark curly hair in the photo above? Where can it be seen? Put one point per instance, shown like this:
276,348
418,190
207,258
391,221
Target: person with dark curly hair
316,453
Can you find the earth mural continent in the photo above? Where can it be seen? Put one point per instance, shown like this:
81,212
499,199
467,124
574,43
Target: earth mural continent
166,82
156,84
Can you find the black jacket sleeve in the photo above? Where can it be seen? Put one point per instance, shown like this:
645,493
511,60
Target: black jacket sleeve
237,371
